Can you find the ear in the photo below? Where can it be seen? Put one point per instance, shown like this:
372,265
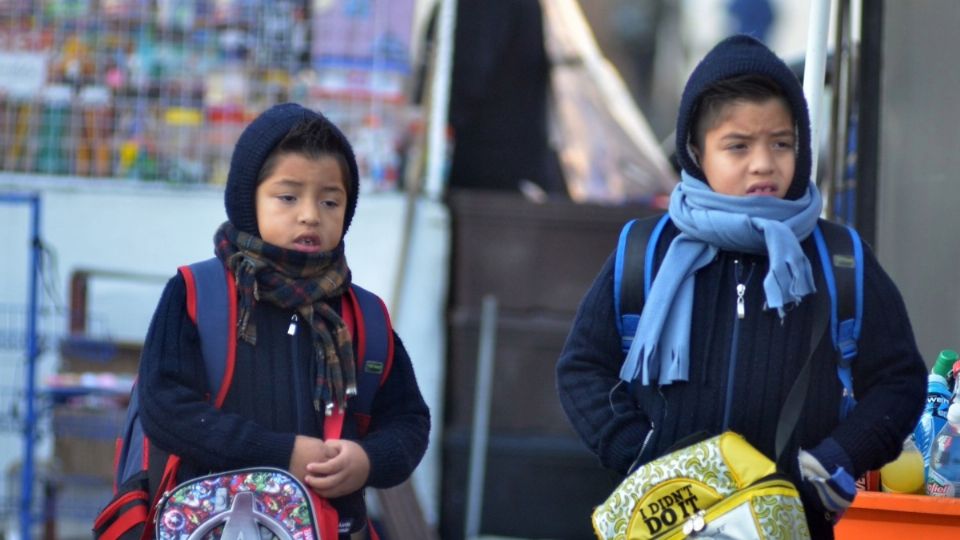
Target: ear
695,153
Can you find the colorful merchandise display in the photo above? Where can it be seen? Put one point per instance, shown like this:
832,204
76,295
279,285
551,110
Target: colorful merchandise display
918,501
159,90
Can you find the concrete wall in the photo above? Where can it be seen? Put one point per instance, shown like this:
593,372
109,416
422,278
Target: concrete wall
918,237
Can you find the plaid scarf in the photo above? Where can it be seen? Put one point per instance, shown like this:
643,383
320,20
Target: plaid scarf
300,281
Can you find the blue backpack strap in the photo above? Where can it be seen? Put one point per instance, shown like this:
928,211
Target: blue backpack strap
373,347
132,457
841,255
211,294
633,272
211,304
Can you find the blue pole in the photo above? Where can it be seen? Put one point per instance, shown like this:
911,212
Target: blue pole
29,424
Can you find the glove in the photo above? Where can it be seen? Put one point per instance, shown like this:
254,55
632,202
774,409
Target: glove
834,485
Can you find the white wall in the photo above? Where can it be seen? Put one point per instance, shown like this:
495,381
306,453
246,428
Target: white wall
147,230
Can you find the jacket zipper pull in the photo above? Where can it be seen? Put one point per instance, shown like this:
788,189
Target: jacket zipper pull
292,329
741,291
741,307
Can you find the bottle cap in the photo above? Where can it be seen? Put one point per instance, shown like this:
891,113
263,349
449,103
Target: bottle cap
953,413
945,362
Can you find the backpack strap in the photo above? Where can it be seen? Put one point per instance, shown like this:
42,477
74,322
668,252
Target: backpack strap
209,286
633,272
369,323
841,255
212,304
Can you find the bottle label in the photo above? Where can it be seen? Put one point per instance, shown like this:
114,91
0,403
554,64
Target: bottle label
938,404
939,486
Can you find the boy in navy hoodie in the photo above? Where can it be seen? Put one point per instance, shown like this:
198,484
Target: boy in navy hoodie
726,326
290,196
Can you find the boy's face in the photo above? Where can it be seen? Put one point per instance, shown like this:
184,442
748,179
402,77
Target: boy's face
301,205
750,149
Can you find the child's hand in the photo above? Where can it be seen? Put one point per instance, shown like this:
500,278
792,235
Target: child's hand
308,450
835,490
343,473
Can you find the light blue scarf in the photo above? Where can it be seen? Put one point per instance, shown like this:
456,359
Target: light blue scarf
708,222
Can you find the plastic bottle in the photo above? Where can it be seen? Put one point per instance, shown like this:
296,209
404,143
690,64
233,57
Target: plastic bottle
904,474
934,413
943,479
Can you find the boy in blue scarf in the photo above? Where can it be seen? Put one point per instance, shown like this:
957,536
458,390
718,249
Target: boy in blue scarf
727,323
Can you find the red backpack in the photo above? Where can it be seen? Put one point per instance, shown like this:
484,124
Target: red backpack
144,472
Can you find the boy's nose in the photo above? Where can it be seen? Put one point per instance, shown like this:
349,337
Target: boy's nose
308,215
762,162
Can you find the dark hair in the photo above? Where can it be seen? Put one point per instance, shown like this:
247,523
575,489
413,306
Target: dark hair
312,138
750,88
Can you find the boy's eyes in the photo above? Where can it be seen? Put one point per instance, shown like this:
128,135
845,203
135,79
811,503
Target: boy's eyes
783,145
329,203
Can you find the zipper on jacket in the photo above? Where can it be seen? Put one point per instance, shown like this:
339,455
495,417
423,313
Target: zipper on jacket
741,290
297,383
292,329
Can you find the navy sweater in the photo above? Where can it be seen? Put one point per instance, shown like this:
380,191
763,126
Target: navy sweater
269,401
741,373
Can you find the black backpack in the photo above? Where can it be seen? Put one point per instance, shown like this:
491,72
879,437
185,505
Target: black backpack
143,472
841,255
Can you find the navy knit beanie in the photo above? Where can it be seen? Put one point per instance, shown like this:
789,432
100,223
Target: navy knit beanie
744,55
254,146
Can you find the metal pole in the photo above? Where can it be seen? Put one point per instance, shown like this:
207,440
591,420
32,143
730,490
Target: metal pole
481,416
813,71
29,422
837,134
440,100
869,69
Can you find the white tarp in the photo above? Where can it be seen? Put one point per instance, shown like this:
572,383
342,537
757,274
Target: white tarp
607,150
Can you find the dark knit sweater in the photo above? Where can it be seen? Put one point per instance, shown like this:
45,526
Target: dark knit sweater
743,374
269,401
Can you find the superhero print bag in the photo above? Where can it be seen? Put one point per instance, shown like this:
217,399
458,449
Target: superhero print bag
249,504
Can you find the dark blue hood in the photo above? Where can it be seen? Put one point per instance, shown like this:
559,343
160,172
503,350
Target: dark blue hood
744,55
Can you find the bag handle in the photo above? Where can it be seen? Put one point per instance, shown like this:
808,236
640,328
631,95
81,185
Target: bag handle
790,412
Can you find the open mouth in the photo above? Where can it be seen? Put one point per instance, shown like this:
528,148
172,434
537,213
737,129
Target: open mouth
307,244
762,190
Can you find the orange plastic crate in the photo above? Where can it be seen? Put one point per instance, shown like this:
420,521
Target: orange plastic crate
889,515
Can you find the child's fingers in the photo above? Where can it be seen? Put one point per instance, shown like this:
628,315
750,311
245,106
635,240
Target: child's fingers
328,486
325,468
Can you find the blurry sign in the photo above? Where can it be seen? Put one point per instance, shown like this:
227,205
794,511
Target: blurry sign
365,34
22,74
